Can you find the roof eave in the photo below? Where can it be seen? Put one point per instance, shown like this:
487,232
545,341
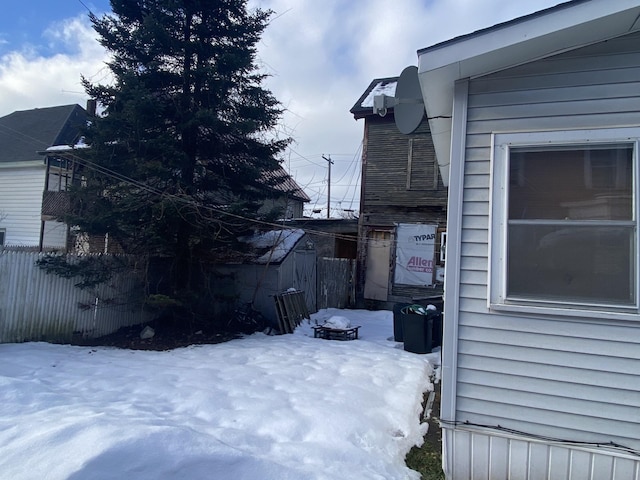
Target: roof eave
369,113
564,27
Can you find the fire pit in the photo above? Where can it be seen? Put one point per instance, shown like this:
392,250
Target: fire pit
329,333
336,328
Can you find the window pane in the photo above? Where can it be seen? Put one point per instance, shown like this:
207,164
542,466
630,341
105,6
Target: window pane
571,183
582,264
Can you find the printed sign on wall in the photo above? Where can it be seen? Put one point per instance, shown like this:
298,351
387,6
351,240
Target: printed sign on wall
415,250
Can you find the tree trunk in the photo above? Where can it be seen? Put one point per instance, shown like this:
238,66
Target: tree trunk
183,236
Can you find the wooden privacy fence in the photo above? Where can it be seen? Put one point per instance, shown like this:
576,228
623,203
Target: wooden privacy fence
336,283
37,306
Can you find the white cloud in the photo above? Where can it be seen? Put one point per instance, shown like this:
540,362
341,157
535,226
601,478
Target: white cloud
29,79
321,57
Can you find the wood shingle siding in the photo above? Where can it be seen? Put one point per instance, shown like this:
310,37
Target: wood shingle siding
401,183
387,167
561,377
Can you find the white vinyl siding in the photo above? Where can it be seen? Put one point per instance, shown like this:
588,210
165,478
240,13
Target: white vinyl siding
21,190
569,377
497,456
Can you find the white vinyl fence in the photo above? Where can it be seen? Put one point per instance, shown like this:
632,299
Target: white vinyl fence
40,306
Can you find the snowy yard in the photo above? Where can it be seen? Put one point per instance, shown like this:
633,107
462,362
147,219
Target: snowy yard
257,408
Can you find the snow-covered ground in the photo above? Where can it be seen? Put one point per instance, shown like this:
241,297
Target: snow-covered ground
259,408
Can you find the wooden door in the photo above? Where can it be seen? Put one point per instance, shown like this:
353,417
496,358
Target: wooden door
376,282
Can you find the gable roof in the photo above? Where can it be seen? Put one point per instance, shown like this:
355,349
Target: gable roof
280,181
565,27
379,86
26,132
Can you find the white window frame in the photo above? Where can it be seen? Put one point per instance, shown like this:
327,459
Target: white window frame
498,232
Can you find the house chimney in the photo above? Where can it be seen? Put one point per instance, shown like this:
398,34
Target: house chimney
91,107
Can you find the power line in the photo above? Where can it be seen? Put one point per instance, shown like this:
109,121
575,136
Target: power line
187,200
154,191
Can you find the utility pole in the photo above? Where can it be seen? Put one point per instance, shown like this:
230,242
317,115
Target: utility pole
329,161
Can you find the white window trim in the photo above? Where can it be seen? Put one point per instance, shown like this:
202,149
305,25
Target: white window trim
498,217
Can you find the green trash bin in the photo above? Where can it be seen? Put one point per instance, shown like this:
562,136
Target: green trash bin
417,328
397,321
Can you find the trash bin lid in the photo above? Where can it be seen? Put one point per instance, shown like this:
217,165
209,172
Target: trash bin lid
415,308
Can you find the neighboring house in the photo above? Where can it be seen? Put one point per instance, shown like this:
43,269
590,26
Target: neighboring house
287,195
403,198
538,123
23,173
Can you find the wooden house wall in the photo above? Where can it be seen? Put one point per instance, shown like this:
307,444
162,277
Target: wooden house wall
400,184
385,175
572,379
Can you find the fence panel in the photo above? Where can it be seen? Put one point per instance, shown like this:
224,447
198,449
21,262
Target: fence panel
37,306
336,283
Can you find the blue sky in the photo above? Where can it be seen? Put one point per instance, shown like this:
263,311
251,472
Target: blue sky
320,55
29,23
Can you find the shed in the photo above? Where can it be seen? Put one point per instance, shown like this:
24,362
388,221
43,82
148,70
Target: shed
278,260
536,129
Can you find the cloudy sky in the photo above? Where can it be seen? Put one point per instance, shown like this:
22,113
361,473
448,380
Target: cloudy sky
321,56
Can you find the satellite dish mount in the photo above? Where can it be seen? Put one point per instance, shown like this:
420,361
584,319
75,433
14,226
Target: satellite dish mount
382,103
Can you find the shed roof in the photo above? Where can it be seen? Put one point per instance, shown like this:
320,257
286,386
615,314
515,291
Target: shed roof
273,246
26,132
379,86
565,27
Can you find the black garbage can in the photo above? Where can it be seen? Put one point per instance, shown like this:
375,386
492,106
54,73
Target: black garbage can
397,321
438,317
417,329
436,336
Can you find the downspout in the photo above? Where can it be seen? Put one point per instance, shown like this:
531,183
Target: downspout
452,272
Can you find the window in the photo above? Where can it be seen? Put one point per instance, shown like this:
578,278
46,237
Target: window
564,219
2,235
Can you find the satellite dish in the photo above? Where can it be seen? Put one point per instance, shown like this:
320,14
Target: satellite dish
409,107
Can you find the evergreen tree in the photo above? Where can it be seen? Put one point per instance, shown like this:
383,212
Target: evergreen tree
178,156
